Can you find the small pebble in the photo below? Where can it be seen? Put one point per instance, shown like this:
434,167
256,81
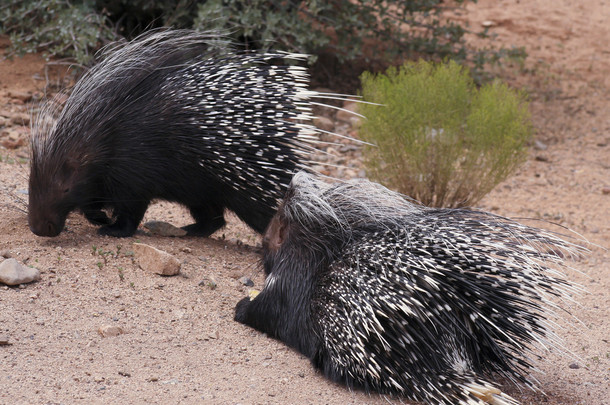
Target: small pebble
4,341
110,330
347,114
12,139
21,119
574,365
210,281
324,123
246,281
538,145
24,96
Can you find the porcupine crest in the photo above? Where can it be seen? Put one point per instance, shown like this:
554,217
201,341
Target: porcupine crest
171,116
396,298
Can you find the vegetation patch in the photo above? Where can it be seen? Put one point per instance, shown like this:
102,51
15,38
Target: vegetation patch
438,137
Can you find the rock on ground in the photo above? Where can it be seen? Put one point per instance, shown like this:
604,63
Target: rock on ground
156,261
14,273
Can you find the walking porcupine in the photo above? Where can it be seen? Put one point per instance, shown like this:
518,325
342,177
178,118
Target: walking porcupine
169,116
393,297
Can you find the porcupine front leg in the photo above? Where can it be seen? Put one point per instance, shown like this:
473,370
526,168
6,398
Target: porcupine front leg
208,219
95,215
279,313
258,313
127,219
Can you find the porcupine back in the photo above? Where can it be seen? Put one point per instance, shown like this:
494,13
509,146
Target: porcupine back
172,115
396,298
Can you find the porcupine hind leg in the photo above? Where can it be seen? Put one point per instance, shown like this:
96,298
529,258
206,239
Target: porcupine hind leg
208,219
127,218
257,219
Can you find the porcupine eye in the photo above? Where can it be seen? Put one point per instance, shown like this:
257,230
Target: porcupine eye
66,175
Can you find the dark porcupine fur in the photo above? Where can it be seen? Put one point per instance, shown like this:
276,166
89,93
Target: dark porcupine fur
393,297
172,115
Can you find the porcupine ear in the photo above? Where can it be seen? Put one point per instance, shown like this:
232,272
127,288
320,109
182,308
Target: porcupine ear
275,234
277,230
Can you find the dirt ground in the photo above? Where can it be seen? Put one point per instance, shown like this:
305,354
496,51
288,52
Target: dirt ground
180,344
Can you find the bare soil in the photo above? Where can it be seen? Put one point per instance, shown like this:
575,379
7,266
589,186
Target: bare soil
180,343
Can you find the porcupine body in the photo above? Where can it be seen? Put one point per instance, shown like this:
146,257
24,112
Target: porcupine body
169,116
392,297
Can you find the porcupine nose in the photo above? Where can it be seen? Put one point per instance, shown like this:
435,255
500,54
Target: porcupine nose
47,228
51,229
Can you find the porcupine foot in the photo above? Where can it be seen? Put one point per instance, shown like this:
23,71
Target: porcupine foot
242,311
208,219
127,219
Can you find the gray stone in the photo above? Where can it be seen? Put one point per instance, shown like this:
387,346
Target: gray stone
13,273
164,229
246,281
156,261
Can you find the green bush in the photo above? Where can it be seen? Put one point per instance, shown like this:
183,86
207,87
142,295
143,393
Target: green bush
379,30
390,29
439,138
56,27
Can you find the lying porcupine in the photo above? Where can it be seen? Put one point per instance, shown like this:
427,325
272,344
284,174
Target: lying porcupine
170,116
393,297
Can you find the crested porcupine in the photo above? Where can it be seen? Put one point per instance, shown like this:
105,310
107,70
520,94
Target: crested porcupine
389,296
172,116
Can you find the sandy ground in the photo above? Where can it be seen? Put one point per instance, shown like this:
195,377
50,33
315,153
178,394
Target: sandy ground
180,343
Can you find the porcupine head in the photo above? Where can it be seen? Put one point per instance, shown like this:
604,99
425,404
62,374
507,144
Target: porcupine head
87,154
293,256
93,152
61,180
